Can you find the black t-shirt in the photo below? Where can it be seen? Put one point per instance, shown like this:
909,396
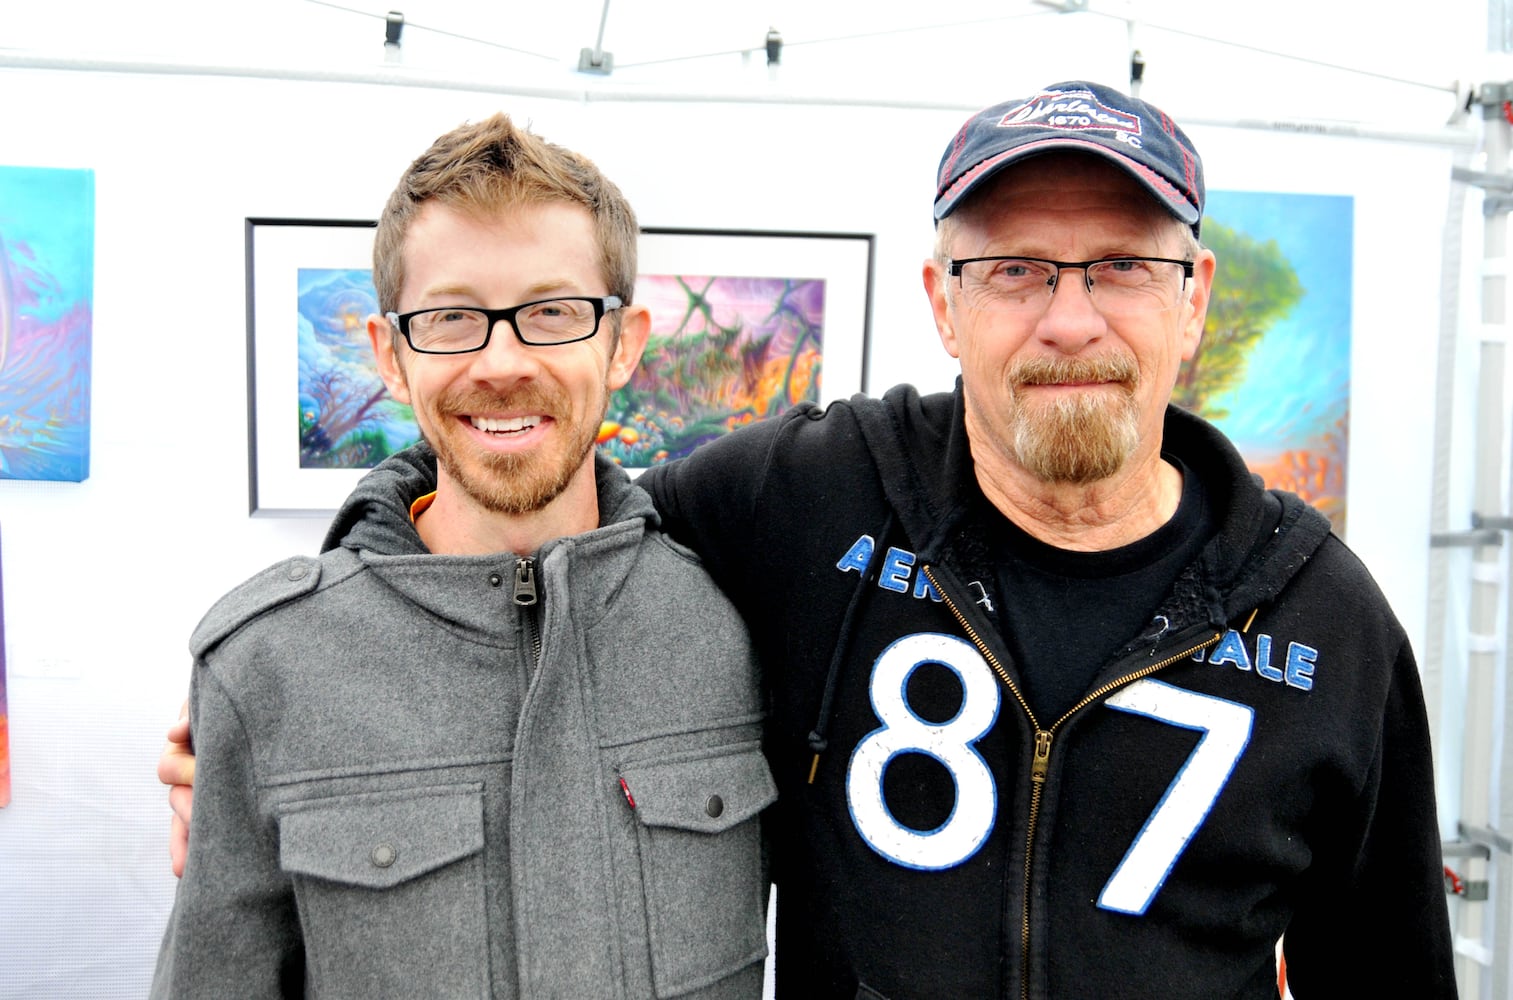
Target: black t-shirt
1064,614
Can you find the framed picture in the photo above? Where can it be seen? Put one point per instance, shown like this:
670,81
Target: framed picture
318,414
745,324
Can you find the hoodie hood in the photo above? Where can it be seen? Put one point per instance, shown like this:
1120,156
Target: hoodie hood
920,447
376,516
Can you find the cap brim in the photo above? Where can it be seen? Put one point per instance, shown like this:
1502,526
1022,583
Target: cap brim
1172,199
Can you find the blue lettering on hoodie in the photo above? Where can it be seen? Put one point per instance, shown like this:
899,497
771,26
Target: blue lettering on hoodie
1295,670
897,573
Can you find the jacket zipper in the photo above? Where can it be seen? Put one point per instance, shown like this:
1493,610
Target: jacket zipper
1040,764
526,599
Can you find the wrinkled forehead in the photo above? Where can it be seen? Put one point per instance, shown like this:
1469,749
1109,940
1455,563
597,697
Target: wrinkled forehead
1063,189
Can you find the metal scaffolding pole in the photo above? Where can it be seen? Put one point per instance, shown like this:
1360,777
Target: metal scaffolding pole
1481,852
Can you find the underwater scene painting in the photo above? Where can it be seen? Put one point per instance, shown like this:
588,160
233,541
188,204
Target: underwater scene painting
1273,368
347,419
47,252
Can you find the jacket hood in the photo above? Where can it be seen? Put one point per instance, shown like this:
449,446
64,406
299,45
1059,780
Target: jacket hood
919,445
376,516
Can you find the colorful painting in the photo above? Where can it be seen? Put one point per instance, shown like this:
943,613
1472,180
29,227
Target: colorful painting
1273,370
47,219
723,352
5,739
347,419
726,349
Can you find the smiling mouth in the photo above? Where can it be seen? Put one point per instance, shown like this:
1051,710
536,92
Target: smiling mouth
506,425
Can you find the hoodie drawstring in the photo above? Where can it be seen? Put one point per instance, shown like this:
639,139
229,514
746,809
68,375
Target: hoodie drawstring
817,740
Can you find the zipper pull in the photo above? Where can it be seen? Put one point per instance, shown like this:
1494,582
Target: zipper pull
1042,761
525,582
628,797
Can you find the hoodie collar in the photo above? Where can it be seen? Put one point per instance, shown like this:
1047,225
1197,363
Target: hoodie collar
919,445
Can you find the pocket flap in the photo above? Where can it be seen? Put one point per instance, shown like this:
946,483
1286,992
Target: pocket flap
705,795
380,839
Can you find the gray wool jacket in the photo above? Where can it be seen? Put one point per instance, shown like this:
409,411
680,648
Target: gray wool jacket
409,784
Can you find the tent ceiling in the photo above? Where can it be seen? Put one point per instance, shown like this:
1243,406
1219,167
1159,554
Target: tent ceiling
1355,62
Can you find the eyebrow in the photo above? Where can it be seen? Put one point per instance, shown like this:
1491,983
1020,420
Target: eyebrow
555,286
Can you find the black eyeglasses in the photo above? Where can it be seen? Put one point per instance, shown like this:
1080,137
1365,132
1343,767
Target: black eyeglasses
544,323
1118,285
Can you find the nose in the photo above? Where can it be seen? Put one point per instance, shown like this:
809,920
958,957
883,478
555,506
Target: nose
504,358
1071,322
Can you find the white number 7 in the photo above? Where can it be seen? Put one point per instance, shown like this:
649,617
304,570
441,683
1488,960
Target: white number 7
1225,726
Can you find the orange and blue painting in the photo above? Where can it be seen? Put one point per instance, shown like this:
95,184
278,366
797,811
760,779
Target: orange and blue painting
1273,369
47,225
723,352
347,419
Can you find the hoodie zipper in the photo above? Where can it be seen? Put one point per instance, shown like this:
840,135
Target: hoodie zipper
1040,763
526,599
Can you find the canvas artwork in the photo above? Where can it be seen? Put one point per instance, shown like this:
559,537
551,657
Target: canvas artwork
5,739
1273,369
347,419
724,352
46,318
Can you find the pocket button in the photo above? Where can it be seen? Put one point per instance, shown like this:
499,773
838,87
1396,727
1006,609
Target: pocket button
383,855
714,806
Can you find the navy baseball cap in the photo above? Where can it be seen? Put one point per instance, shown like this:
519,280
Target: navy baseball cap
1086,117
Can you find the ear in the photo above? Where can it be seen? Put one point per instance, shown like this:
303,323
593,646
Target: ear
635,328
1204,266
936,287
382,336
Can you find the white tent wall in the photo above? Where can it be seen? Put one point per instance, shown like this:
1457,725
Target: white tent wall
104,580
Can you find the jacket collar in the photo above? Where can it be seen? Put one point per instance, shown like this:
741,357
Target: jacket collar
376,517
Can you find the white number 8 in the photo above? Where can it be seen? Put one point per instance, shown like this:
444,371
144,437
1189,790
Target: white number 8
949,742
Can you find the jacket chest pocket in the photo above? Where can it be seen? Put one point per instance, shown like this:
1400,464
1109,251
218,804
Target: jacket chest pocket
701,865
390,888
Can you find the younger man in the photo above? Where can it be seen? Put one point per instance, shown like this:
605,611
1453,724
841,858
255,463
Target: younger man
503,740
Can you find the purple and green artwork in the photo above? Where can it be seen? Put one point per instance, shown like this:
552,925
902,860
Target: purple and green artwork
46,317
724,351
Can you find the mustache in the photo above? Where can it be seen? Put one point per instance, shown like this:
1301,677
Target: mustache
1119,368
532,398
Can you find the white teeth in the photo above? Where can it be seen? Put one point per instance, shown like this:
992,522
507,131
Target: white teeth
512,425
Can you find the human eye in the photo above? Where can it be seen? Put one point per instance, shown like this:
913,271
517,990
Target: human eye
556,311
1131,272
448,320
1018,269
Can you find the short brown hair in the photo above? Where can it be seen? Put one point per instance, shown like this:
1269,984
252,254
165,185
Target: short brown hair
490,166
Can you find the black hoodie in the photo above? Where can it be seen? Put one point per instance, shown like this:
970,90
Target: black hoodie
1253,763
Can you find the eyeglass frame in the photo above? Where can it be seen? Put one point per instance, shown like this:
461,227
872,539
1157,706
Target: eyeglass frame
955,264
602,307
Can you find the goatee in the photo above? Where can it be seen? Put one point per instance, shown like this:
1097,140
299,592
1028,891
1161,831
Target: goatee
1078,437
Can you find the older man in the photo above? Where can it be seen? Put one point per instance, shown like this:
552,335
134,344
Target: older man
1064,703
